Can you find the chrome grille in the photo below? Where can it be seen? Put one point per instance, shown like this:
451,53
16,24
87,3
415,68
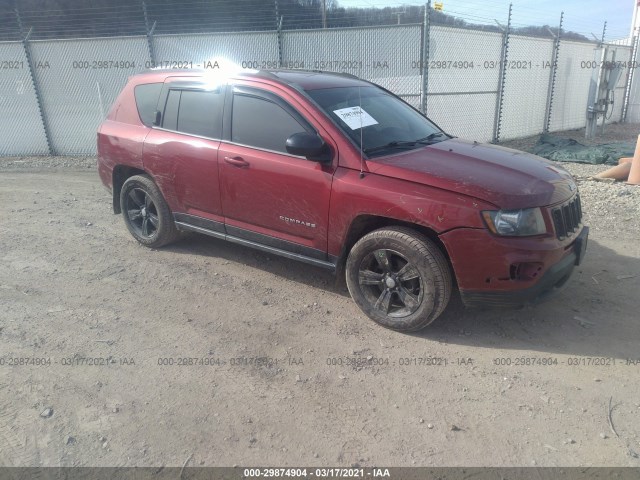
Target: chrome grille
567,218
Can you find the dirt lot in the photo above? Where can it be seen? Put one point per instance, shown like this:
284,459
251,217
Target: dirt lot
101,315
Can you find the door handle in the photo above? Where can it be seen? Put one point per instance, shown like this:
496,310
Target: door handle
236,161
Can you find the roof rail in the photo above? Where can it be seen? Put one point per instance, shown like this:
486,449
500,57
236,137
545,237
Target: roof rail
261,73
271,72
340,74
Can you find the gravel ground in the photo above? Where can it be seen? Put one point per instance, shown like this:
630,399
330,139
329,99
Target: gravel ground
613,206
615,132
36,164
337,389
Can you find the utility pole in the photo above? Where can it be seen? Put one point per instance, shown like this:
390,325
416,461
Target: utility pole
404,10
635,20
324,13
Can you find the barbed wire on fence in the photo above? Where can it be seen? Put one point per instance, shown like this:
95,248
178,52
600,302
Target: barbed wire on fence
61,70
122,18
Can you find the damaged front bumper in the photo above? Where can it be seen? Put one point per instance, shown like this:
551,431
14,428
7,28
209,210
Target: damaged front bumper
491,283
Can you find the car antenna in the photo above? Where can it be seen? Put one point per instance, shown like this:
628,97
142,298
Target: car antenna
360,115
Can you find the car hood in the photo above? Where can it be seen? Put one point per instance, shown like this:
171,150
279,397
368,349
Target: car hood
507,178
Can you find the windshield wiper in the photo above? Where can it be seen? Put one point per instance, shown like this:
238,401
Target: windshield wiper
430,137
404,143
394,144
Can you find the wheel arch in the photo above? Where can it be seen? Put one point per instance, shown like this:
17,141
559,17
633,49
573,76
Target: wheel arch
364,224
120,175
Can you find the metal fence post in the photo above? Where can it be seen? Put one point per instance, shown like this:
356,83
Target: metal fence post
630,77
503,77
34,81
152,51
552,76
597,77
279,33
424,57
280,43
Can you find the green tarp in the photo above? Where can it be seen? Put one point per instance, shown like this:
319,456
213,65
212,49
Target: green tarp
568,150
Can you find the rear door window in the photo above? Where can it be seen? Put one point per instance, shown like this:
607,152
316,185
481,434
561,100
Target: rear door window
196,112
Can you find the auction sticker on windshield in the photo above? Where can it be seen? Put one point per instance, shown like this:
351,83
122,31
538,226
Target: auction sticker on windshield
355,117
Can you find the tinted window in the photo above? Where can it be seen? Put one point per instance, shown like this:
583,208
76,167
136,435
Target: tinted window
200,113
196,112
384,118
261,123
146,101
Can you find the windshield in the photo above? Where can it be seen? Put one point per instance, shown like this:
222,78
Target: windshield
387,123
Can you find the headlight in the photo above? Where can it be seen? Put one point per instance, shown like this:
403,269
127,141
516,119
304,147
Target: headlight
516,223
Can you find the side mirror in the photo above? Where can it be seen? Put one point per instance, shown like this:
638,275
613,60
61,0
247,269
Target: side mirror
157,118
308,145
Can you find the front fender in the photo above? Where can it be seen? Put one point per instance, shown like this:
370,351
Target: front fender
396,199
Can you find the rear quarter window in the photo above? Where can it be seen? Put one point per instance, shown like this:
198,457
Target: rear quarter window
146,101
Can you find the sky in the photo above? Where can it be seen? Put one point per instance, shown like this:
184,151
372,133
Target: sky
583,16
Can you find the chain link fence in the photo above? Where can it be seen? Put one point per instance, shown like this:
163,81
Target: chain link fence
527,83
463,80
250,49
572,85
479,84
388,56
21,127
623,58
76,96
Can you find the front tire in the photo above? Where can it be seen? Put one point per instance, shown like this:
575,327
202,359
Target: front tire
399,278
146,213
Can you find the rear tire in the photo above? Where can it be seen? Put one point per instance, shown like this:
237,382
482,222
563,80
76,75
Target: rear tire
146,213
399,278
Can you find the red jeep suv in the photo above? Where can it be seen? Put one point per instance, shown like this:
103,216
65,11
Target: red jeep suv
340,173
